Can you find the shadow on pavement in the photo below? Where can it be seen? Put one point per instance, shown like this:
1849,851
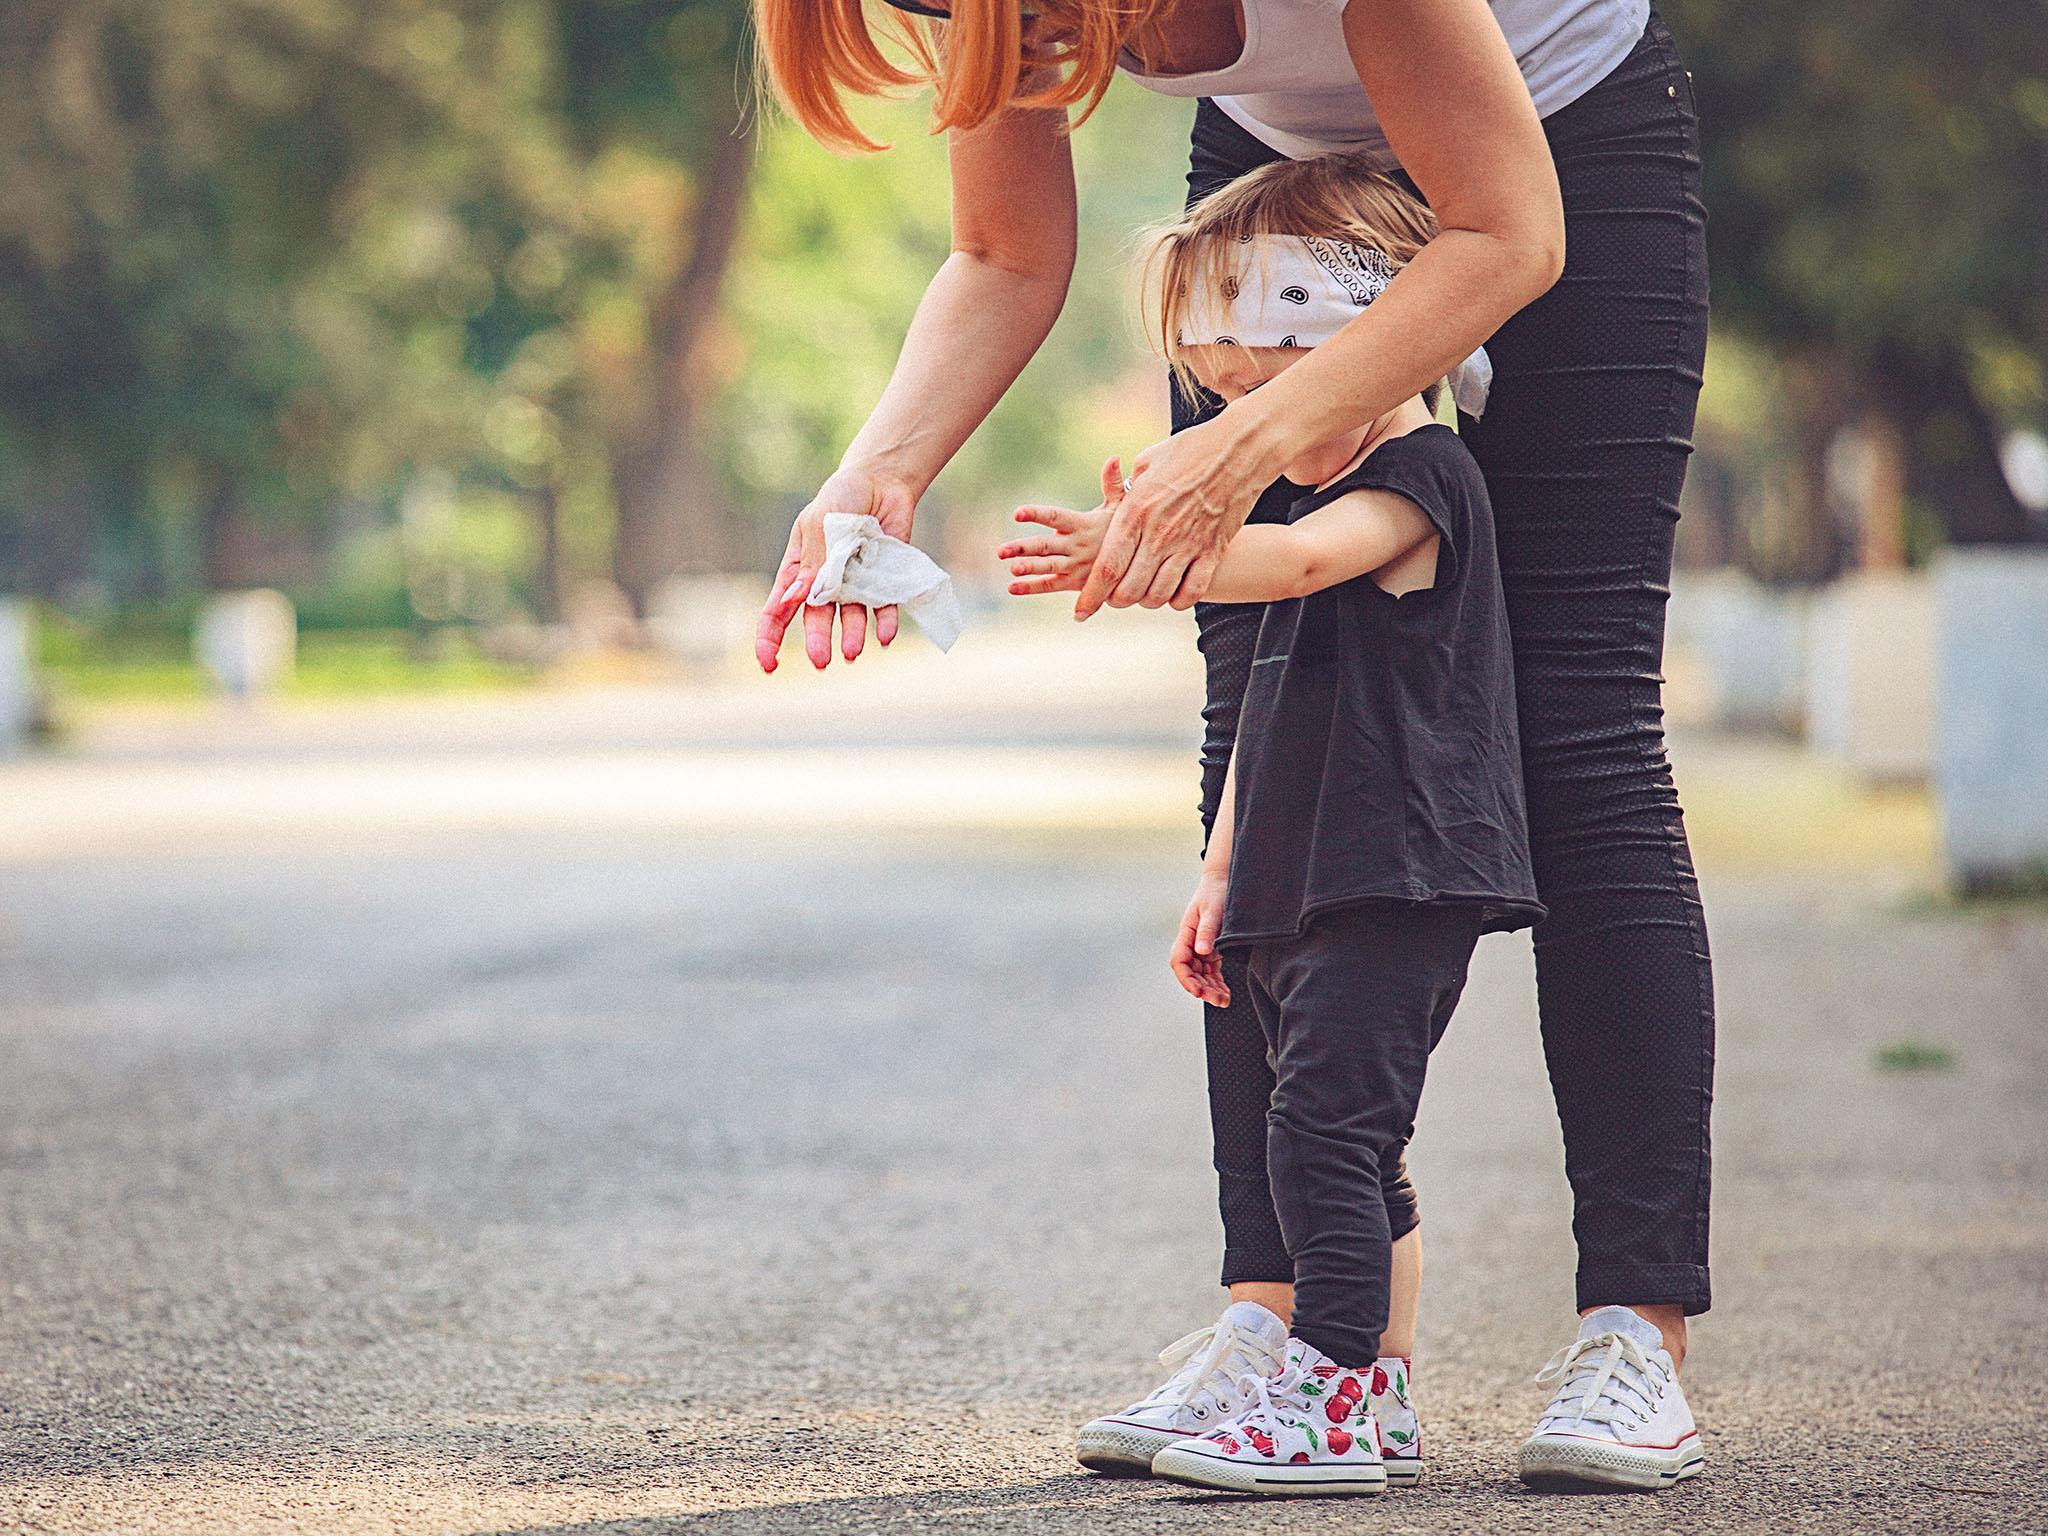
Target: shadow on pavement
1078,1498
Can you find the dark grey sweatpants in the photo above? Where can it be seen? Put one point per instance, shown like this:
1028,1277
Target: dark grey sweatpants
1351,1011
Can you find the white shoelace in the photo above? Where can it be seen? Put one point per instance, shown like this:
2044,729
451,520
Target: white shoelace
1610,1374
1202,1356
1259,1392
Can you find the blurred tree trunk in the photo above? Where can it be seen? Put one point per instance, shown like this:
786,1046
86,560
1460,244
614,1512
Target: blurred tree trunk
1881,491
1951,451
51,548
547,576
1809,546
220,552
667,514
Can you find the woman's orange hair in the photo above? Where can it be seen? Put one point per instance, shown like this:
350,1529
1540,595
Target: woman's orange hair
815,53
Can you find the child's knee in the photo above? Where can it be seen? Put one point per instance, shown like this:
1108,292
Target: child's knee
1397,1191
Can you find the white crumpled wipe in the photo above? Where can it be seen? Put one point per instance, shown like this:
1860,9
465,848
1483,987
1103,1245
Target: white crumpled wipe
865,565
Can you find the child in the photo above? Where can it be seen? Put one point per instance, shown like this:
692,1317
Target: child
1371,826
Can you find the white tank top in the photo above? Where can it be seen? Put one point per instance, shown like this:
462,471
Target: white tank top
1294,86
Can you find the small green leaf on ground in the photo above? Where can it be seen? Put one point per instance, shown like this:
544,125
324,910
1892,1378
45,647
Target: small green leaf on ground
1914,1056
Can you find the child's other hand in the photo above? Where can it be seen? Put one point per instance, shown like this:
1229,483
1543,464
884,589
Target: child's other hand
1061,560
1194,960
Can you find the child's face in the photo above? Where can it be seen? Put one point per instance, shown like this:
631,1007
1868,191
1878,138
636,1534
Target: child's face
1234,372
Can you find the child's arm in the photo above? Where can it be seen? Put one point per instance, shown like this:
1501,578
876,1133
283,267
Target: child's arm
1354,534
1194,959
1265,562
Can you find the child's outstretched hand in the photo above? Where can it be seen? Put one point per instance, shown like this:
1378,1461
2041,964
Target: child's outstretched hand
1194,959
1061,560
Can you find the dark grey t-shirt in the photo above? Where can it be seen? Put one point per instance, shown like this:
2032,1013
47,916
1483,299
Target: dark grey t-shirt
1377,752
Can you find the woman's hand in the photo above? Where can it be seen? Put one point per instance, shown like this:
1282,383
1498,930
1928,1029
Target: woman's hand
1188,497
983,316
1060,560
850,490
1194,959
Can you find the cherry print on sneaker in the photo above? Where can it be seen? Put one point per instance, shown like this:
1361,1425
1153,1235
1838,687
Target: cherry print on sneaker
1307,1431
1394,1417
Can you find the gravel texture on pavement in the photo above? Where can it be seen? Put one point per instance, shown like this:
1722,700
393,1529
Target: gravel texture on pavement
611,1180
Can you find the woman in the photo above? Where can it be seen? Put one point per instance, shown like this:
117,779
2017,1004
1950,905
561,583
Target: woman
1555,142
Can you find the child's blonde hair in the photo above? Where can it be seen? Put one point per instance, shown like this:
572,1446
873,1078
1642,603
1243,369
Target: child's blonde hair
1186,265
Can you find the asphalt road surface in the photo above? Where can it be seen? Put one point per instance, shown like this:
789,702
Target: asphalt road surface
396,1172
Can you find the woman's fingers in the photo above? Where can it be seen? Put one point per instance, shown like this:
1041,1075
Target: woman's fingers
885,624
818,633
818,619
1119,547
1206,928
1165,584
853,629
1112,482
1194,583
785,596
1138,577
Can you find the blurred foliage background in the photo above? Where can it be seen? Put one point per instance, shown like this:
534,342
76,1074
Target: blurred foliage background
442,315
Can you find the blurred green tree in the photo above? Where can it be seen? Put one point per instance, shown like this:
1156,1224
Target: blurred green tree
476,298
176,173
273,257
1876,174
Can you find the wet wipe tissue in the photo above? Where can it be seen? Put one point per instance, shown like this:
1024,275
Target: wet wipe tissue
865,565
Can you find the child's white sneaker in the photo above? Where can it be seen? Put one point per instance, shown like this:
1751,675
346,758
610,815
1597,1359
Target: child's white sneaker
1306,1431
1206,1388
1618,1418
1393,1417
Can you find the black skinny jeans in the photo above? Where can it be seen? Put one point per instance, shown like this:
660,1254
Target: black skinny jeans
1584,447
1350,1012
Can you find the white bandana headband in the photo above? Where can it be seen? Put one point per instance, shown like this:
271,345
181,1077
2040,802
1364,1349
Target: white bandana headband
1299,291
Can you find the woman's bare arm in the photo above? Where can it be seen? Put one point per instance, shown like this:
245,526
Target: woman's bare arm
983,316
1458,115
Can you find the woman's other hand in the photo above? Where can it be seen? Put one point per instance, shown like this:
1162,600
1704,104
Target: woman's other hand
1194,960
1060,559
1188,497
850,490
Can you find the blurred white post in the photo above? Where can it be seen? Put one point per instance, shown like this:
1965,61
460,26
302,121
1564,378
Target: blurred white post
1992,761
1748,640
247,641
1870,674
17,675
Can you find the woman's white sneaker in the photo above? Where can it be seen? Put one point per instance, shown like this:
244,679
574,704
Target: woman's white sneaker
1617,1417
1306,1431
1205,1389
